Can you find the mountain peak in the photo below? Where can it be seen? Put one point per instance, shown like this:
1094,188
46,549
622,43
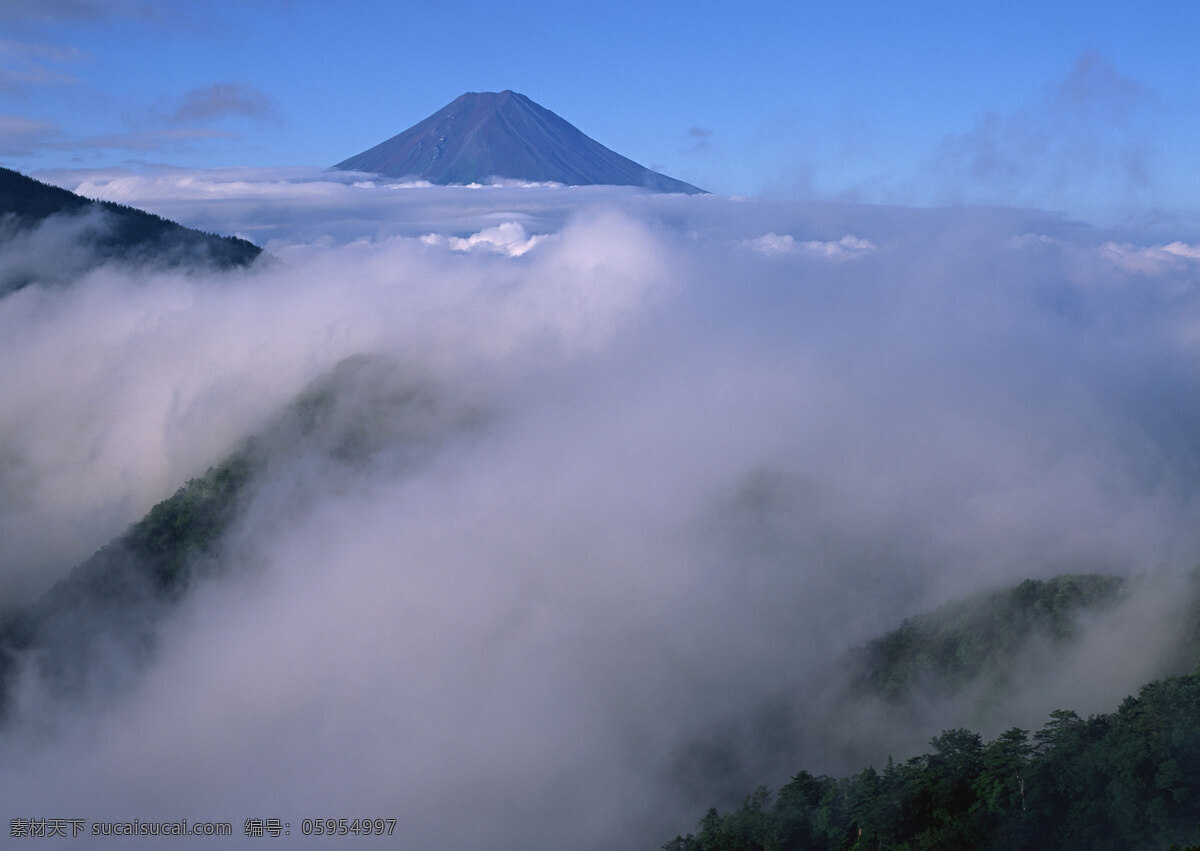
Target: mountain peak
485,135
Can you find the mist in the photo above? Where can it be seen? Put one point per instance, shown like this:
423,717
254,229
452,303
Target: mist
641,470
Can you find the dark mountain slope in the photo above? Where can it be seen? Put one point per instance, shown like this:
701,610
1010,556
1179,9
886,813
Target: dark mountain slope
1125,780
484,135
988,661
1111,782
977,638
50,235
93,632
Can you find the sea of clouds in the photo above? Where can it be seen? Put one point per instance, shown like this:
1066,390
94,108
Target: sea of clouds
674,455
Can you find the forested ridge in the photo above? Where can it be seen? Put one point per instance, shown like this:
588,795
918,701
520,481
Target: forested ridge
978,638
119,233
111,603
100,622
1127,779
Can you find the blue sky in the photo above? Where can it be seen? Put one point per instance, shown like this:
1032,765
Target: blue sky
1088,109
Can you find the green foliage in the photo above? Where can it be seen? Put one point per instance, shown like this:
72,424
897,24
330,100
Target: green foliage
1126,780
976,639
110,603
100,623
186,524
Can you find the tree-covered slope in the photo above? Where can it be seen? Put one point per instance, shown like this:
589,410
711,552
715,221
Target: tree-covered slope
1130,779
1125,780
100,621
51,235
977,639
94,630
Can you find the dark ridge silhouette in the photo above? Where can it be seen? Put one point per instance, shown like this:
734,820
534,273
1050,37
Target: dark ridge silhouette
486,135
95,232
977,638
93,633
1128,779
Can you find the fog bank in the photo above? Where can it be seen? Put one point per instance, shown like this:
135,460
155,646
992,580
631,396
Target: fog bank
675,455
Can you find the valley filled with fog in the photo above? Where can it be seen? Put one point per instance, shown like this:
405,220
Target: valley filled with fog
631,475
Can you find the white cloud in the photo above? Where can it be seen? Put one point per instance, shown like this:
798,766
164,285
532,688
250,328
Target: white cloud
845,248
1182,249
509,238
655,483
1152,260
773,243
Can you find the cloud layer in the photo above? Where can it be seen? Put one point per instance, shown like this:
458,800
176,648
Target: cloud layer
713,444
